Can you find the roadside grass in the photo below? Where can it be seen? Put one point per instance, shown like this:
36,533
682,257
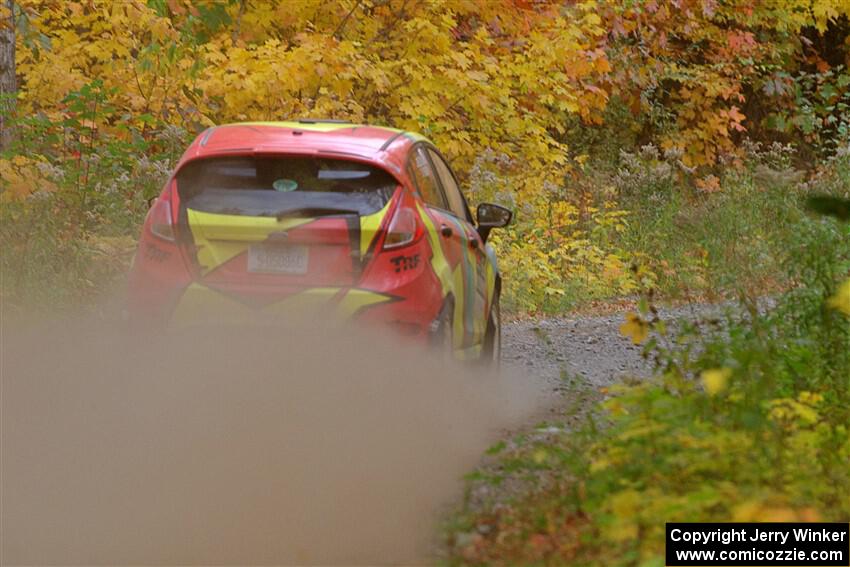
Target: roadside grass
746,419
683,236
48,262
72,199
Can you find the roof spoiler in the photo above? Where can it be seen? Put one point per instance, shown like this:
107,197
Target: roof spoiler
320,121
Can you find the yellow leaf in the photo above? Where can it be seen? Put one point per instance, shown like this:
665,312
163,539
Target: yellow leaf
747,511
841,300
715,380
635,328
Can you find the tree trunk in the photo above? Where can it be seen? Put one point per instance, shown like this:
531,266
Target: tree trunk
8,82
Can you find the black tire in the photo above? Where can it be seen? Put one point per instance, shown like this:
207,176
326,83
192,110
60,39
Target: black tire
442,340
491,351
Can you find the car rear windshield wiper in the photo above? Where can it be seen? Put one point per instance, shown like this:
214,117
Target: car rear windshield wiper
316,212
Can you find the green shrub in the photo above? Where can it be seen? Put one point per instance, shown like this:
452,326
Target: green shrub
747,419
74,190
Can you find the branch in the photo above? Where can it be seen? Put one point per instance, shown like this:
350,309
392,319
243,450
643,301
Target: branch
234,35
344,21
336,32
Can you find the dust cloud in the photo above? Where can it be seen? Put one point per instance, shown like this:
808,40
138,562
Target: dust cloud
236,445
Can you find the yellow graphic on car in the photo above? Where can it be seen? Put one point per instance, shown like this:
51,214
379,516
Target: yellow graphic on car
219,238
201,304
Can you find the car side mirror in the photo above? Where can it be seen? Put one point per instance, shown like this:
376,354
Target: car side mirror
492,216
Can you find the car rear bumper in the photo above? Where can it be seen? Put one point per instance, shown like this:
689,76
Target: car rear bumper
406,311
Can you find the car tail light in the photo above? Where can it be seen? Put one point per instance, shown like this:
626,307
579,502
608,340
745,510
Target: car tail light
403,230
159,220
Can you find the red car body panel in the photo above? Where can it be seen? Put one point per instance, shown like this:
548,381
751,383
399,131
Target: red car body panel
206,266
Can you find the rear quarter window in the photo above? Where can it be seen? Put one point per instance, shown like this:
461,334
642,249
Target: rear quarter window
425,179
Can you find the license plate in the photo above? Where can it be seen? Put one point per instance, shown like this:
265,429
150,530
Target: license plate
277,259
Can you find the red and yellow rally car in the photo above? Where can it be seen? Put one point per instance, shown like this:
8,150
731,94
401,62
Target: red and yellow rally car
365,222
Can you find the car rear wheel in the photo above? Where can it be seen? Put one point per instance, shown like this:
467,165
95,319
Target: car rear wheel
491,352
442,339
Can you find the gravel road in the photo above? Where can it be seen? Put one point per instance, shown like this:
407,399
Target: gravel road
589,348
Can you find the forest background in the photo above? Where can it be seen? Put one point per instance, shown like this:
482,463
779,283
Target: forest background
642,143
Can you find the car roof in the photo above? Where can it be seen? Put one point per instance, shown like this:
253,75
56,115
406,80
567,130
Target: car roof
386,146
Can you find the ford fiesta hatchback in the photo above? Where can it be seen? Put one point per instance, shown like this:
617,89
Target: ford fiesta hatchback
358,222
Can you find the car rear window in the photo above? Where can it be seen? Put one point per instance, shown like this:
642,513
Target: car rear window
274,186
